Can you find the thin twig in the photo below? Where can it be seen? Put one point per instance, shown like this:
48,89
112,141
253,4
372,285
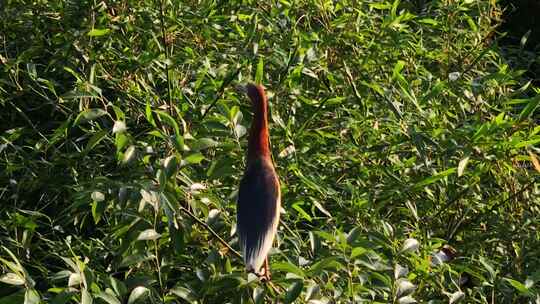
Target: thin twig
449,203
222,241
350,79
229,79
221,90
317,110
164,40
490,209
274,288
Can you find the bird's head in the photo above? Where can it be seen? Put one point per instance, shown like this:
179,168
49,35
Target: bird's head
255,92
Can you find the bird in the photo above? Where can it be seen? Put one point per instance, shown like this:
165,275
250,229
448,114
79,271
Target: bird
259,194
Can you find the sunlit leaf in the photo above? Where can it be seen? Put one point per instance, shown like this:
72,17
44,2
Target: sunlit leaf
456,297
12,279
148,235
31,296
288,267
462,165
518,285
89,115
406,300
410,245
138,293
108,298
98,32
404,287
86,297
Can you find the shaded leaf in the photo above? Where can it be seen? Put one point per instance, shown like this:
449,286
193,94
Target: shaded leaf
293,291
184,293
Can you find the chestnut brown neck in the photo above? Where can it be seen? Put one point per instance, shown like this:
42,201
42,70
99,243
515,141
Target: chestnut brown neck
258,143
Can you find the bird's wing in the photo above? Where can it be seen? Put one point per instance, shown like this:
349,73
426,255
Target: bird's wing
257,212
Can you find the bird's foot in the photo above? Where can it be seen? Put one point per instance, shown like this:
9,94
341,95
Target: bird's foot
266,272
262,275
265,276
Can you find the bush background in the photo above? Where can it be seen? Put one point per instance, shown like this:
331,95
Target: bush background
393,124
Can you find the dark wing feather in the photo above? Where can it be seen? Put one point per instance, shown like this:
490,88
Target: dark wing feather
257,212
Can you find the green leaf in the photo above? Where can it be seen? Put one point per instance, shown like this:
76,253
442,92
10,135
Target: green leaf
258,295
312,291
12,279
31,296
325,264
194,158
492,272
129,155
170,165
260,68
95,140
524,38
456,297
525,143
148,235
97,210
15,267
86,297
462,165
97,196
184,293
398,67
121,140
353,235
108,298
288,267
61,298
98,32
358,251
380,5
428,21
304,214
75,279
530,107
434,178
293,291
178,138
406,300
118,286
135,259
89,115
203,143
148,114
138,293
15,297
518,286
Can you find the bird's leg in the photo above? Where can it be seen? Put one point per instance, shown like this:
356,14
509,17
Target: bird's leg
266,275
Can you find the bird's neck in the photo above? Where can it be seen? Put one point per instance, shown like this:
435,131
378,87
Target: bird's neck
258,143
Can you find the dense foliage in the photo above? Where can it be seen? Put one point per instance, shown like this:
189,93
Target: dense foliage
397,127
